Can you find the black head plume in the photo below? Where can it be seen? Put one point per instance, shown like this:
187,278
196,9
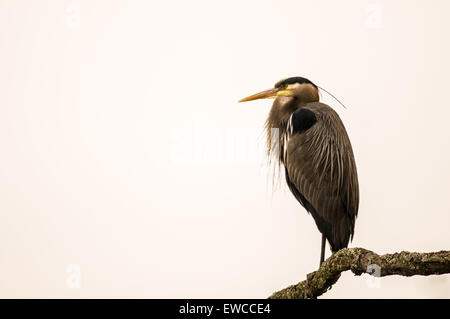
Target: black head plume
293,80
302,80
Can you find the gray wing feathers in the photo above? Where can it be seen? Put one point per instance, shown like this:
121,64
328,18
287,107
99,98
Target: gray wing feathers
321,166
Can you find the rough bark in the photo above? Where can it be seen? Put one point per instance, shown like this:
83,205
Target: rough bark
359,261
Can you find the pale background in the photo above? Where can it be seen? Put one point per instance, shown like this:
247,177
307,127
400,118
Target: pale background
117,173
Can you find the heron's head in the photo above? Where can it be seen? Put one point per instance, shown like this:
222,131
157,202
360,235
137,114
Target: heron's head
289,94
286,90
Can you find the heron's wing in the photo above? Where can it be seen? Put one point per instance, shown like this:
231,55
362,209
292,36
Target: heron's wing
321,173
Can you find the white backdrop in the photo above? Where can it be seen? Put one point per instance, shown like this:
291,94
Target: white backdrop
128,169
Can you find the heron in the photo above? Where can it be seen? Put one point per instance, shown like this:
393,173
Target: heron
314,151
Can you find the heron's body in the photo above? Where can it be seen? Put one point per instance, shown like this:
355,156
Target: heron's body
321,173
317,155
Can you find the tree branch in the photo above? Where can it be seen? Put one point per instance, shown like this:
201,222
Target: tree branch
360,260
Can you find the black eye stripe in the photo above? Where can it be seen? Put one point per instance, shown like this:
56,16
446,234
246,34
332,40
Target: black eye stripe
296,79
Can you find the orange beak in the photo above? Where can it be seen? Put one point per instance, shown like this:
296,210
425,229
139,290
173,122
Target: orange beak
269,94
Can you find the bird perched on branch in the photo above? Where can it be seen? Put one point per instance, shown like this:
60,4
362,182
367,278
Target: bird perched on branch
309,140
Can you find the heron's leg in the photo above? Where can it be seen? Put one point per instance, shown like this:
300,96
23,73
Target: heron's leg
322,251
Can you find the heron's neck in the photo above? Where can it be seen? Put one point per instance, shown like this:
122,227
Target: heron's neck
276,126
306,93
279,116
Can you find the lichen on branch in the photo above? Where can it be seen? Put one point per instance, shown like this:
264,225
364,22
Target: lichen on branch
359,261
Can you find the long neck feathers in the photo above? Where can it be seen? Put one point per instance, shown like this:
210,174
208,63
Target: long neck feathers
281,111
276,128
